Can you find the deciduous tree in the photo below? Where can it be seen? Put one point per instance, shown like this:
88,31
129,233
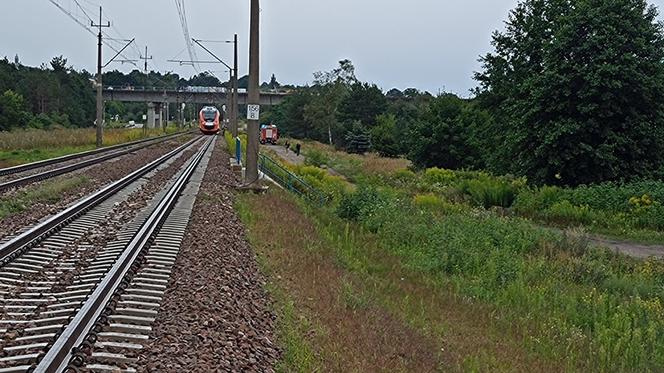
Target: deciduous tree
576,88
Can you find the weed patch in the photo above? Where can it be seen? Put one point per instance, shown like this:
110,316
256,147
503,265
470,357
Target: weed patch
24,146
48,192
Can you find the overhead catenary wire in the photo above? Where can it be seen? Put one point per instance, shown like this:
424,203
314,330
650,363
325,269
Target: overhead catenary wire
182,13
115,43
83,10
79,11
87,28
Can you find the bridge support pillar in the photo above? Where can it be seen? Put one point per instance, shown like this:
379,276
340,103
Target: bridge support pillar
166,117
152,115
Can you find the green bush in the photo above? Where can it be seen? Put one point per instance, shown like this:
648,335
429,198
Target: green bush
359,204
565,212
651,216
489,192
433,203
404,176
610,205
315,157
230,142
333,187
440,176
428,202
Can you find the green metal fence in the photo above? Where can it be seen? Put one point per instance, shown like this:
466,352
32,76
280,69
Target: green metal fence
289,180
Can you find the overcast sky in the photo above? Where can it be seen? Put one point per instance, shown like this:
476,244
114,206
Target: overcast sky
428,44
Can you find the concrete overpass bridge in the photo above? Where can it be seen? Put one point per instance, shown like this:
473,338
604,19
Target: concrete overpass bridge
157,99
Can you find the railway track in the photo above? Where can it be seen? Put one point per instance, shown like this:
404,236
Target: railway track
13,177
76,297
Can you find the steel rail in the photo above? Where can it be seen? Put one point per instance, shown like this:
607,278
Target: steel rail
69,157
14,247
68,351
76,166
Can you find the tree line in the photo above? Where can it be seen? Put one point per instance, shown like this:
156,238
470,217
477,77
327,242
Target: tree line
41,97
573,93
58,95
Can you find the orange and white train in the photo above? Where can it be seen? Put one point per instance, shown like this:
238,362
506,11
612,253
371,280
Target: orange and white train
209,120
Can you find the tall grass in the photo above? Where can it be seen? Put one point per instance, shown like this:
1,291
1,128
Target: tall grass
355,167
58,138
615,208
231,144
590,308
23,146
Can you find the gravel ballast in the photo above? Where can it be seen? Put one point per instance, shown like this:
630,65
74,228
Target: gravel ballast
98,176
215,314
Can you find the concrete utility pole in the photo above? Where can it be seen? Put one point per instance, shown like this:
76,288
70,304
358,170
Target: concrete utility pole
100,99
253,107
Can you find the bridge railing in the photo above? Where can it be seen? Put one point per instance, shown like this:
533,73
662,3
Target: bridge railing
188,89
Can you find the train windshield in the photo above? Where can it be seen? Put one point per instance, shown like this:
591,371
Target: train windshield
210,115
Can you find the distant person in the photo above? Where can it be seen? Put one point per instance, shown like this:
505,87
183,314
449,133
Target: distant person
287,145
298,147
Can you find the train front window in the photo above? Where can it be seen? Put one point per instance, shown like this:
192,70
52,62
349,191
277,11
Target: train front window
209,116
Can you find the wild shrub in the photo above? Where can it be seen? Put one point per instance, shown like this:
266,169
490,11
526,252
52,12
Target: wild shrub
440,176
354,206
648,216
635,205
566,213
490,192
404,176
429,202
315,157
532,200
433,203
231,142
333,187
583,299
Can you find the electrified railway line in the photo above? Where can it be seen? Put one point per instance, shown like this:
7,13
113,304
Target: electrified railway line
77,297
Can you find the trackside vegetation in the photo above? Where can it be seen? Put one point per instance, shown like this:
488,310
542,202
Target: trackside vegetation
479,235
31,145
569,95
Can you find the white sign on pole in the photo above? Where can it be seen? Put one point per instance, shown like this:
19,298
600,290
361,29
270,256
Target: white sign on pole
253,112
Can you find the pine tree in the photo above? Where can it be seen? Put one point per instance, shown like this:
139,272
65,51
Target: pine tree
358,139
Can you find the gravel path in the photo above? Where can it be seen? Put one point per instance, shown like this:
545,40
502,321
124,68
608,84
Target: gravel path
98,175
636,250
285,154
215,315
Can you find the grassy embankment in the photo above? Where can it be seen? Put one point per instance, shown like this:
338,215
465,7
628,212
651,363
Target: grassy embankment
630,211
550,296
25,146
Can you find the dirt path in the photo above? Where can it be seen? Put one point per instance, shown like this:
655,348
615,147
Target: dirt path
290,157
632,249
285,154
